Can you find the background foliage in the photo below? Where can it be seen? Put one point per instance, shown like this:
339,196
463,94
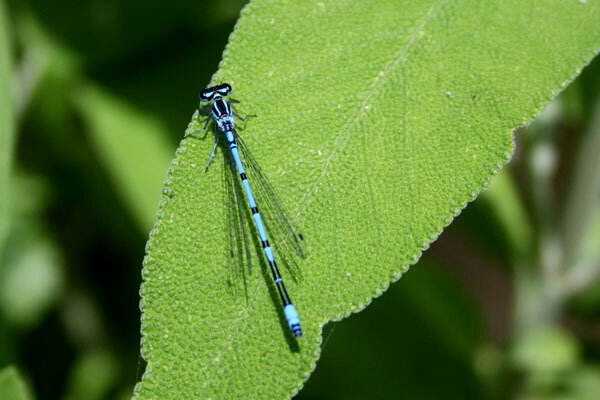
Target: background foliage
504,305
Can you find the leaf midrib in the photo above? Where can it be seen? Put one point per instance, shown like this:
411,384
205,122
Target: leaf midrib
365,104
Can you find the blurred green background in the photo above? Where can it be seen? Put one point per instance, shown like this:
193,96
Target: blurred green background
504,305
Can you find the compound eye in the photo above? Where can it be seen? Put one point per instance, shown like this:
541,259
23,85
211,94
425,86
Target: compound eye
224,89
207,95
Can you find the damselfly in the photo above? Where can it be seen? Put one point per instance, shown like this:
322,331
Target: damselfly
277,223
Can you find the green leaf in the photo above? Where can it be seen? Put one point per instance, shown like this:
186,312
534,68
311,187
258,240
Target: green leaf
133,147
7,124
12,385
377,123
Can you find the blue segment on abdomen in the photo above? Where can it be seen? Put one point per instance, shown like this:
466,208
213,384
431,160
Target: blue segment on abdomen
269,254
249,193
229,136
260,227
291,315
238,161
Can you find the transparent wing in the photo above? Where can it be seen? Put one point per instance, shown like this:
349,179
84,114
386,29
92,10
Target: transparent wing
285,237
239,243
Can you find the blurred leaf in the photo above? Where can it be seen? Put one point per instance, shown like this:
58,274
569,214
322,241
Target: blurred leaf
584,383
553,370
102,32
31,281
377,124
31,270
506,203
424,329
133,147
12,386
583,194
7,128
42,61
93,376
448,312
545,350
581,219
587,299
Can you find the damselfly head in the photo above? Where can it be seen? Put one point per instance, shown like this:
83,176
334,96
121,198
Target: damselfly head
209,94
